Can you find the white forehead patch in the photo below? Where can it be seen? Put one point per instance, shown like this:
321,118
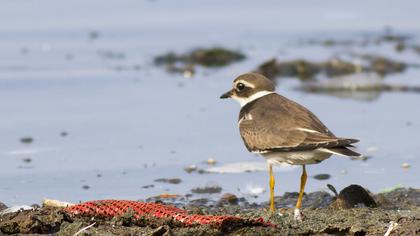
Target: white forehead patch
245,100
247,84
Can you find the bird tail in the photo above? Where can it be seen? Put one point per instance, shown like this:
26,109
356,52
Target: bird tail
343,151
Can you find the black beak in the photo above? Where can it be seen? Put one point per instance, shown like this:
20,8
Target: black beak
227,94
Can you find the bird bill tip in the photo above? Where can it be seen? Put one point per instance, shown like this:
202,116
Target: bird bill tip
226,95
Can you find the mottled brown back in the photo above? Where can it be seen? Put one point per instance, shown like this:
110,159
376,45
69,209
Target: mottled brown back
270,123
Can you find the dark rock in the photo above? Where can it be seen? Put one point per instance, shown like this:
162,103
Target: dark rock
215,57
228,198
353,196
400,46
93,35
322,176
148,186
190,168
303,69
269,68
212,57
85,187
159,231
384,66
167,198
298,68
169,181
199,202
400,198
416,48
107,54
338,67
207,190
2,206
26,139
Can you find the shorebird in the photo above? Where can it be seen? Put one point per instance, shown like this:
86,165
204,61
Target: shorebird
283,131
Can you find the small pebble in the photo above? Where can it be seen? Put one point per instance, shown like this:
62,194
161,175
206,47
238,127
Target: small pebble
148,186
372,149
229,198
322,176
190,168
405,165
93,35
64,134
26,140
188,74
211,161
85,187
27,160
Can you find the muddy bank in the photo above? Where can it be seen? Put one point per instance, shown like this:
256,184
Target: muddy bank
323,216
304,69
185,63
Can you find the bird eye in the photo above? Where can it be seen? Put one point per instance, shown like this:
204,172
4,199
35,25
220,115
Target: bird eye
240,86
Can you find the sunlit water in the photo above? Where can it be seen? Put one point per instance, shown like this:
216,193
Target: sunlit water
129,123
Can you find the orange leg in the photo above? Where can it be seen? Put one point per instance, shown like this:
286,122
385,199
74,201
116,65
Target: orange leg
303,178
272,182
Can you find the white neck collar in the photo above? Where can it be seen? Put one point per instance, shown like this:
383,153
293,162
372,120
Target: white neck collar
244,101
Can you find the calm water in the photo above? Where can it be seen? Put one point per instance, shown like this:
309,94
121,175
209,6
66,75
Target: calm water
129,123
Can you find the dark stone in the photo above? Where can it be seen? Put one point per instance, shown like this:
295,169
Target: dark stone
322,176
353,196
207,190
26,140
2,206
169,181
228,198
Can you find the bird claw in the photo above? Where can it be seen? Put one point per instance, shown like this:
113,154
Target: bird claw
298,215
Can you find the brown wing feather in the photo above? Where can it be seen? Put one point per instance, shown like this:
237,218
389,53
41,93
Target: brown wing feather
275,123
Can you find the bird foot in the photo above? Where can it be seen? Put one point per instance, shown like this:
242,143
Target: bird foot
298,215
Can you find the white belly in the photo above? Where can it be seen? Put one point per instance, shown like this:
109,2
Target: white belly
297,157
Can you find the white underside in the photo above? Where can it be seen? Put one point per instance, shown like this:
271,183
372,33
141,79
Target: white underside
297,157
